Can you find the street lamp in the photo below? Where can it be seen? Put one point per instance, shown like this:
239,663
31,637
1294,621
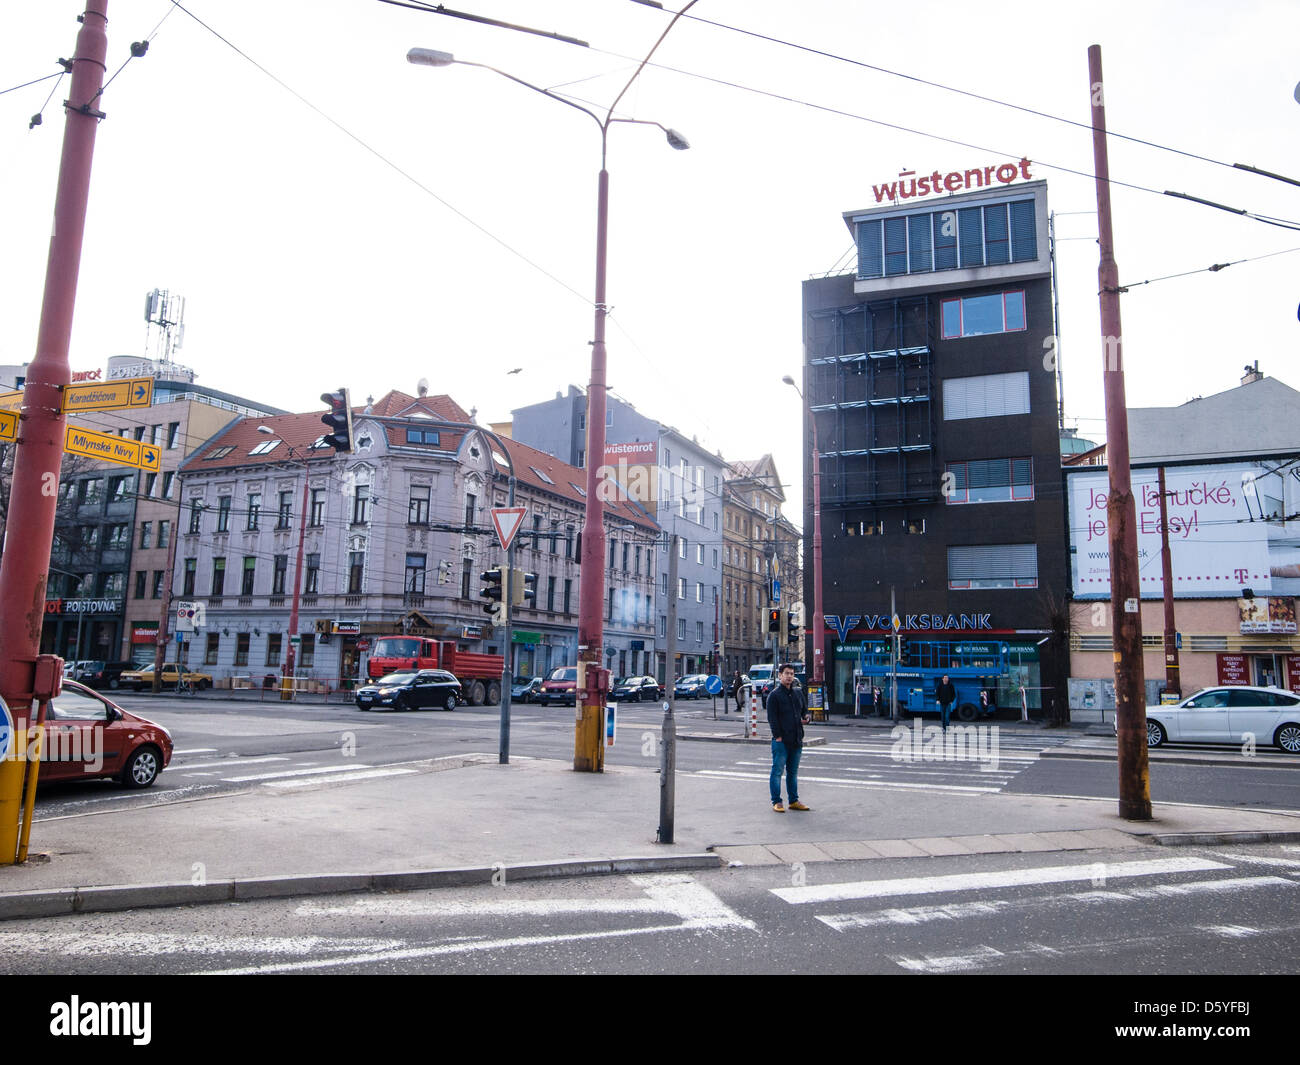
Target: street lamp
818,623
589,748
290,658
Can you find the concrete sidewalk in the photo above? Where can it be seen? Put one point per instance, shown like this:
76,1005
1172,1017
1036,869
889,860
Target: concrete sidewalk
464,819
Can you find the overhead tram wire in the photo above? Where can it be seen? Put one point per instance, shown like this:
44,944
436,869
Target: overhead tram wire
1266,219
384,159
968,93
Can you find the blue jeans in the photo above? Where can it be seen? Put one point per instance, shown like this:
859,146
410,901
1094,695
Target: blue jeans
945,709
785,761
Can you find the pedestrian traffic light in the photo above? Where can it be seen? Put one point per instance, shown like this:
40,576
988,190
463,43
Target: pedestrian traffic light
774,619
492,592
523,588
792,624
339,420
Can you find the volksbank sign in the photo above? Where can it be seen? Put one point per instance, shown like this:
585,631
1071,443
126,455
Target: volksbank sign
846,623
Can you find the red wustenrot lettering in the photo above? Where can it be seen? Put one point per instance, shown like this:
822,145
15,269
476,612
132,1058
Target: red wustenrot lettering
953,181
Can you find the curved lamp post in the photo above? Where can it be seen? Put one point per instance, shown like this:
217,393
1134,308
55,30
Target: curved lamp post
589,749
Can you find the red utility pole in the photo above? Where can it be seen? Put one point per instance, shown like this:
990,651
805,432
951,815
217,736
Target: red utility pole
1121,516
34,491
291,657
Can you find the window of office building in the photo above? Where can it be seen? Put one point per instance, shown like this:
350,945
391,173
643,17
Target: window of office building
356,570
286,510
993,566
250,572
218,576
279,573
415,568
986,396
213,649
254,509
273,649
924,241
361,505
223,514
316,511
989,481
974,316
313,574
242,641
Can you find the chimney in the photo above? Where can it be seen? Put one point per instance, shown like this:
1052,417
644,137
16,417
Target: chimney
1252,374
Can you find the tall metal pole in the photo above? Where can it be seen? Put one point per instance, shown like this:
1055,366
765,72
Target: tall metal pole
893,660
668,735
291,658
588,740
164,617
34,490
1125,593
1172,681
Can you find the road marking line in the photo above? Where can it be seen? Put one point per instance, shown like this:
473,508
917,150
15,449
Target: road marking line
1002,878
698,908
918,915
197,750
294,773
230,763
361,774
837,782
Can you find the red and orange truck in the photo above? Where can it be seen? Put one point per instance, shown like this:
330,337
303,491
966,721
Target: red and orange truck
479,675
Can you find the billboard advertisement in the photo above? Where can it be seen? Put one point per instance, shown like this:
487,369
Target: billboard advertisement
1267,615
1227,530
631,471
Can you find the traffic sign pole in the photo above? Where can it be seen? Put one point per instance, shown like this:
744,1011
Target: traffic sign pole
33,496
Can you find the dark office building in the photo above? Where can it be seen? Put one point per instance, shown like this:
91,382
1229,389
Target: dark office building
930,373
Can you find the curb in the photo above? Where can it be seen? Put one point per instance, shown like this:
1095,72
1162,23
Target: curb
60,902
1195,839
1084,754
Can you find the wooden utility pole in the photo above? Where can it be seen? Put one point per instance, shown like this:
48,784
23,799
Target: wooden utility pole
1121,513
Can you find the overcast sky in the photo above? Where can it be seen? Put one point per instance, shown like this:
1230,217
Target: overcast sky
457,242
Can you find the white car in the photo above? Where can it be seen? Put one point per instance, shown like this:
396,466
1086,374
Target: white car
1227,715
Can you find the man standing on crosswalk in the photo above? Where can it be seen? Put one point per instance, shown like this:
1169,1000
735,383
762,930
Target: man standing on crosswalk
787,713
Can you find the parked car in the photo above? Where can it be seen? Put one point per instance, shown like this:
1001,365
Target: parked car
692,687
71,665
88,736
525,689
99,674
139,679
637,689
1227,715
560,687
411,690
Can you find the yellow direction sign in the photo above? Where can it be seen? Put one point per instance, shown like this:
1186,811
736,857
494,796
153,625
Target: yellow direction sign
11,400
109,395
8,425
108,448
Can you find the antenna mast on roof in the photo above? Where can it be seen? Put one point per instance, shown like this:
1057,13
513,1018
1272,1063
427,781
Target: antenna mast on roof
165,314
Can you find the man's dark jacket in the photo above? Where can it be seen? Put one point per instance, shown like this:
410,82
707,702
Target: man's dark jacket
785,711
946,693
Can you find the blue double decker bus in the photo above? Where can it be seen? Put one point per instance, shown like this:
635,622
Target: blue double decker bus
973,666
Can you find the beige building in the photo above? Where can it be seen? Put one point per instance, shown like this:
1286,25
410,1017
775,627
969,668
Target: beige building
759,546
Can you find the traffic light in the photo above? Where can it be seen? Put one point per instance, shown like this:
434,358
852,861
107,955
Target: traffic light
444,571
339,420
492,592
774,619
792,624
523,588
904,651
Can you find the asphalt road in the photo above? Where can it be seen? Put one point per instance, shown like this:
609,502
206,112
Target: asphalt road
224,747
1218,911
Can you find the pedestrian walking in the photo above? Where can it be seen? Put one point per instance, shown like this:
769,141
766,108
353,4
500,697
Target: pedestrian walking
946,693
787,713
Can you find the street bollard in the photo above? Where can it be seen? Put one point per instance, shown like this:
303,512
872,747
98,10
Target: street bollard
753,716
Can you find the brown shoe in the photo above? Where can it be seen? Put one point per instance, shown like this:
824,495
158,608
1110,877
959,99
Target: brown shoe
799,806
778,807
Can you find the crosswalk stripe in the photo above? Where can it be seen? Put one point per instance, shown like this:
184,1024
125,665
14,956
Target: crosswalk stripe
360,774
956,911
320,770
1002,878
840,782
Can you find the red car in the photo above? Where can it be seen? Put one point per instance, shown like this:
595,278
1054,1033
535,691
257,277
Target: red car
87,736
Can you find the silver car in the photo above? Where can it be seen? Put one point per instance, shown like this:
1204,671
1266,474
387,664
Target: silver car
1229,714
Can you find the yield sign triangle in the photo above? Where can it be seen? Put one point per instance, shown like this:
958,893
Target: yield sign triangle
507,521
